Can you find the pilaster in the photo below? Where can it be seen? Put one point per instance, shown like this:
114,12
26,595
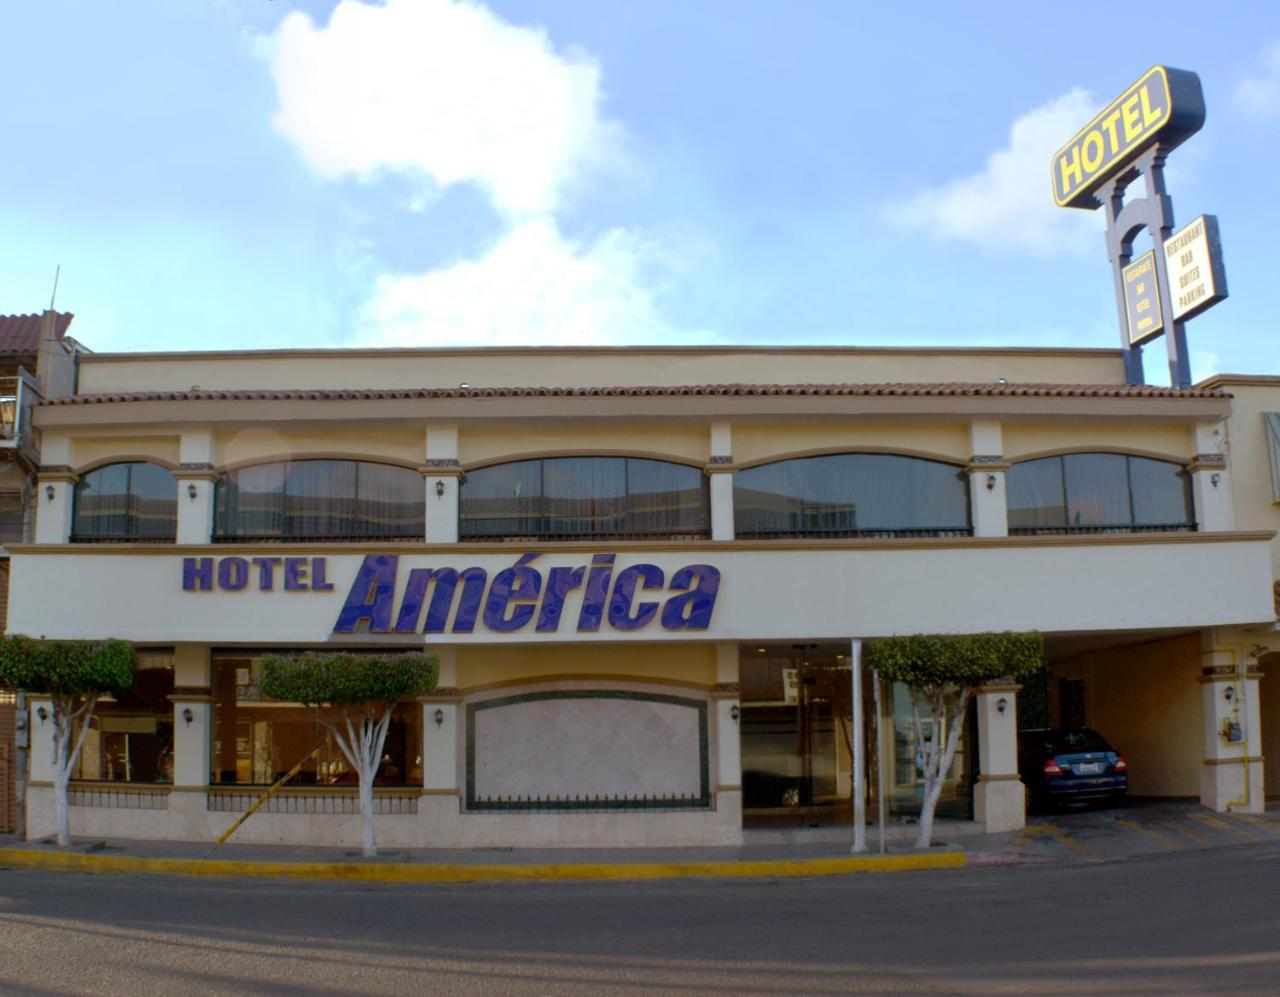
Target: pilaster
442,477
55,497
999,799
40,724
728,711
441,727
1211,480
192,700
1232,776
988,501
720,481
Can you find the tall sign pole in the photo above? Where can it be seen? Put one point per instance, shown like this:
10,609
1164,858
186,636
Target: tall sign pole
1182,275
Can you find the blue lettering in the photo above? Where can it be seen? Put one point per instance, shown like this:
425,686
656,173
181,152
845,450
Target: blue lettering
512,589
197,574
318,583
415,593
692,610
295,574
371,596
233,573
560,582
473,580
624,591
593,600
266,572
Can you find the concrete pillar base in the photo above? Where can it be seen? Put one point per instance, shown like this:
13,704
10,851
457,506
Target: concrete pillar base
1222,787
1000,804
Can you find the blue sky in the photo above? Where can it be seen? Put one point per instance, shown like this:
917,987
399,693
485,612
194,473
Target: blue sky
252,173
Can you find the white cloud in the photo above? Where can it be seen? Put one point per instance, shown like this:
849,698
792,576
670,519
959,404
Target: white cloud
1009,205
1260,94
532,287
444,91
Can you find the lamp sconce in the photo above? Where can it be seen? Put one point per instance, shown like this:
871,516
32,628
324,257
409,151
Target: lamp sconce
50,492
42,713
1229,694
188,715
439,717
1214,478
192,491
1002,704
734,713
439,489
991,482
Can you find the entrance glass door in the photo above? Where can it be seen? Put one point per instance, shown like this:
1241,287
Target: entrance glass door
796,734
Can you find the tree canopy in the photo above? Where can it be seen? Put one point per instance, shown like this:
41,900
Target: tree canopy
65,667
338,678
923,660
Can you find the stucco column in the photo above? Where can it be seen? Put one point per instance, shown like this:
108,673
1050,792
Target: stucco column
41,743
720,481
988,502
192,701
1232,775
55,495
999,799
1211,480
441,728
725,698
196,478
442,476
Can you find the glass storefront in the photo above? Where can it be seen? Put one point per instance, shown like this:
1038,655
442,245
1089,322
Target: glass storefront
256,741
130,736
797,735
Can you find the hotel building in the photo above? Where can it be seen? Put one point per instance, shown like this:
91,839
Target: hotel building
648,574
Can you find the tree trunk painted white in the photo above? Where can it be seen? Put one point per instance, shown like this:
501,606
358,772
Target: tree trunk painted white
66,752
361,740
938,762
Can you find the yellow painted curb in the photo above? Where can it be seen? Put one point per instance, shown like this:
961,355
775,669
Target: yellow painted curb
405,872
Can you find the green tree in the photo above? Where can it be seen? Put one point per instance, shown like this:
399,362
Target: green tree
941,671
73,674
359,691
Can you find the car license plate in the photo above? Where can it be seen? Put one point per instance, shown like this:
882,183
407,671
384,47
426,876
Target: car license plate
1088,768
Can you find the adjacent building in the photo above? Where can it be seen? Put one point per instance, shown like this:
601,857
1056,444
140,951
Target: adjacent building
648,574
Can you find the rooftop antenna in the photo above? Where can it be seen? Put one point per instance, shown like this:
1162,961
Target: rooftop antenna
56,273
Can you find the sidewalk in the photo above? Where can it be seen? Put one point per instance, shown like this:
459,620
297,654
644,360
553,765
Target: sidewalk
1135,829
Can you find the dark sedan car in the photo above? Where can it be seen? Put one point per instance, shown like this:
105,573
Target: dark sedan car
1067,764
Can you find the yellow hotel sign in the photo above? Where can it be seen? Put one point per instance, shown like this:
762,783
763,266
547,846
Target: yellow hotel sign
1165,106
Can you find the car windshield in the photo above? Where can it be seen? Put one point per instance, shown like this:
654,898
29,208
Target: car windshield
1067,742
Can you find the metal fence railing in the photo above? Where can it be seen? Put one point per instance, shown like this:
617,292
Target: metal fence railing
586,804
1046,531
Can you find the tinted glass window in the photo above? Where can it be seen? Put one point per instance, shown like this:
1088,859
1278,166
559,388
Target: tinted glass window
1098,491
851,495
584,497
129,501
326,499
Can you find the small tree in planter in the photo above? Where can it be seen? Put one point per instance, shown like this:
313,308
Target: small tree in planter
941,672
362,689
73,674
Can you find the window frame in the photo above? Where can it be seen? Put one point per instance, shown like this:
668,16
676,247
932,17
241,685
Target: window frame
131,516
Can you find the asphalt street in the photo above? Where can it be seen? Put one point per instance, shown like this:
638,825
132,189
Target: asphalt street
1186,922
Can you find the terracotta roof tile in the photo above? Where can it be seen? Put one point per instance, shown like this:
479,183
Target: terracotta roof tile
21,333
957,389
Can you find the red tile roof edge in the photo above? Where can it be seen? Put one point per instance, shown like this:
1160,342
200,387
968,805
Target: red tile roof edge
976,390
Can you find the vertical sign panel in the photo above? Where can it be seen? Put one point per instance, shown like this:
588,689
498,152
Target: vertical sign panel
1193,257
1142,299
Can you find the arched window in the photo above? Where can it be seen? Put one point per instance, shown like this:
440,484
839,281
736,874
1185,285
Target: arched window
1098,493
852,495
584,497
135,500
320,500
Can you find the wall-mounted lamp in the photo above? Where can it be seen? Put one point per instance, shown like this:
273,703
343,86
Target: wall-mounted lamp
1214,478
464,385
734,713
43,714
1229,694
439,489
439,717
192,491
187,715
1002,704
991,482
50,492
